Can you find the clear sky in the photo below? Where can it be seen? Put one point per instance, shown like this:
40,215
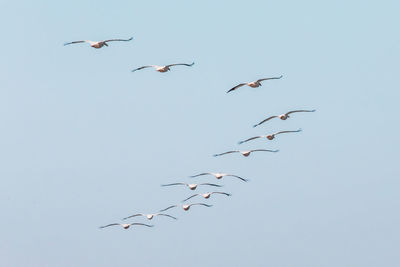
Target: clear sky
85,142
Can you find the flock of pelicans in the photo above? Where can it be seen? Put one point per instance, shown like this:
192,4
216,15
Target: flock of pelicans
218,176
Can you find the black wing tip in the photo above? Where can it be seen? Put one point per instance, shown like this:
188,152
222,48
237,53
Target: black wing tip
255,125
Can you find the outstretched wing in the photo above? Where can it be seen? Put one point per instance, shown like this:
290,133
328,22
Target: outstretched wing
243,179
216,185
134,215
236,87
173,184
143,67
111,224
76,42
202,204
167,215
300,110
222,193
266,150
272,78
170,207
186,199
183,64
229,152
123,40
281,132
148,225
267,119
252,138
201,174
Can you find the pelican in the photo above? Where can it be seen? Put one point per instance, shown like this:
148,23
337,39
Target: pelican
99,44
283,116
207,195
186,207
269,136
150,216
125,225
163,68
219,175
254,84
245,153
192,186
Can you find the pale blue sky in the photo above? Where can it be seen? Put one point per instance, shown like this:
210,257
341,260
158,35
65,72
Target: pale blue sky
85,142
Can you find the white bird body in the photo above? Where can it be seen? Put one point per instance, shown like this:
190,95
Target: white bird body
149,216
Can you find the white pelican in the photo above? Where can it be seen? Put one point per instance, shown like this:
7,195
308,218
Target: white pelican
282,116
186,206
192,186
163,68
150,216
219,175
253,84
268,136
245,153
99,44
125,225
207,195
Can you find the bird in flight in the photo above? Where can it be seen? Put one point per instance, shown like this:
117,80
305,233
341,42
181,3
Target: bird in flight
207,195
125,225
192,186
99,44
283,116
268,136
254,84
150,216
219,175
186,207
245,153
163,68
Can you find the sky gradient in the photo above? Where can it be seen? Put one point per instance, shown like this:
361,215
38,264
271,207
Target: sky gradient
84,142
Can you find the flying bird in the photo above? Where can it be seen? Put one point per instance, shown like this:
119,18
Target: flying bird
125,225
192,186
254,84
219,175
150,216
207,195
99,44
283,116
163,68
245,153
186,206
268,136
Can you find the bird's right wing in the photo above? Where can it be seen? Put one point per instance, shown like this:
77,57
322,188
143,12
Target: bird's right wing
272,78
170,207
234,151
267,119
222,193
148,225
201,174
300,110
252,138
134,215
173,184
203,204
190,197
111,224
76,42
241,178
216,185
236,87
167,215
281,132
265,150
143,67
